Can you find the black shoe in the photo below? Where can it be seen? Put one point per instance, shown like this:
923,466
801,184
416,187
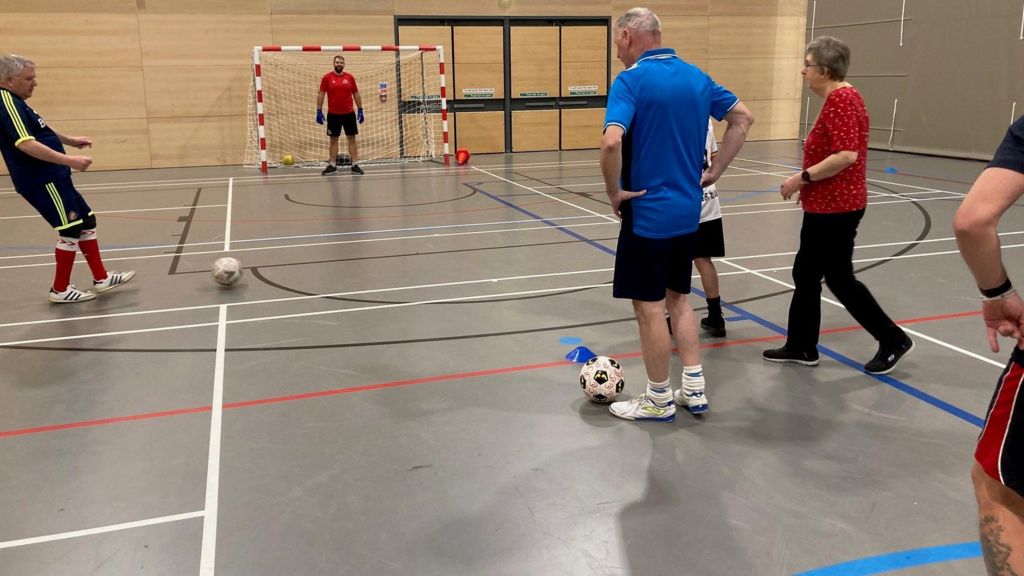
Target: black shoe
356,169
714,327
784,354
329,170
888,356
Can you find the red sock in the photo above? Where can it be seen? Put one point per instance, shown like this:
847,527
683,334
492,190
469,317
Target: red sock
64,253
90,248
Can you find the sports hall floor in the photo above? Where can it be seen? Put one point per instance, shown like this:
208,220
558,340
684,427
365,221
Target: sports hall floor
385,392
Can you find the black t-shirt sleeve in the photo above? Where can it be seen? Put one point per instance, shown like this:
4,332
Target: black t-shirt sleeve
1010,154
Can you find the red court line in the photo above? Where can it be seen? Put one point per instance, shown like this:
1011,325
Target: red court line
423,380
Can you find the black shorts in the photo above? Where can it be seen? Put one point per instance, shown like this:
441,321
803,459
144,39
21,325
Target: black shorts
59,203
646,267
1001,442
335,122
710,240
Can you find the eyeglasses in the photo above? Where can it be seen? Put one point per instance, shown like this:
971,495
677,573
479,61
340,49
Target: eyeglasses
806,65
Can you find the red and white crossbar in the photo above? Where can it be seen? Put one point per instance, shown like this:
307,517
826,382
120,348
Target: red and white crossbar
257,50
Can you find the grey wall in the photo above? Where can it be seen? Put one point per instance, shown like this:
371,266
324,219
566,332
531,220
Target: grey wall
954,80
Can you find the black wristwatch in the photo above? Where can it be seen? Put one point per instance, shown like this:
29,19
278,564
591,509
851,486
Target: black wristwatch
805,176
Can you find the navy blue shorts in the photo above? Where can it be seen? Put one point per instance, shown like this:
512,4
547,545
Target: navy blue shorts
59,203
646,267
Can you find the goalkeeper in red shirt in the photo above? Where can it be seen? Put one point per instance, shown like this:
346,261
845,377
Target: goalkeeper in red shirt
340,88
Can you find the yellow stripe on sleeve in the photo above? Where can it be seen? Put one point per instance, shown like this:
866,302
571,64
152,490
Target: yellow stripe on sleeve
12,110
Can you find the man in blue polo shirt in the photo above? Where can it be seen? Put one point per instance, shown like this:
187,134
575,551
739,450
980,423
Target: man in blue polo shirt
652,157
41,173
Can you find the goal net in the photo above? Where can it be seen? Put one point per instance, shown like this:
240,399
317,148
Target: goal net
403,95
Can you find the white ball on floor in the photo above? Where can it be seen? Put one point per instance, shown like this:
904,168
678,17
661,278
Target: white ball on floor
227,271
602,379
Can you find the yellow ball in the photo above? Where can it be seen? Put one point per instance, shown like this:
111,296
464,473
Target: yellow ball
288,160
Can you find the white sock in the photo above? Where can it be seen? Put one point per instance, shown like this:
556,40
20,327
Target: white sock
659,392
693,378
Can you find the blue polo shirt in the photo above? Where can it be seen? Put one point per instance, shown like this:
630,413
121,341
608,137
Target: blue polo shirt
18,123
663,104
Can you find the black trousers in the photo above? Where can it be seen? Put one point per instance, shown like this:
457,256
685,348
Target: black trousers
826,251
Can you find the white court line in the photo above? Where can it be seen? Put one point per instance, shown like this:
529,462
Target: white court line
104,212
869,179
323,235
227,219
209,556
905,329
101,530
588,211
313,297
475,297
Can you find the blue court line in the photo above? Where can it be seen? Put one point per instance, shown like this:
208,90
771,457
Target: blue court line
899,385
900,560
744,196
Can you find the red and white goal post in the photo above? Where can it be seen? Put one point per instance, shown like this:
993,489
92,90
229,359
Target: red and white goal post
402,90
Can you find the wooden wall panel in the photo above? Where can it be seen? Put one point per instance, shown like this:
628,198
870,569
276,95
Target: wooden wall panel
664,7
69,7
773,120
531,50
481,132
117,144
502,8
581,129
770,8
585,58
295,30
418,138
478,60
431,36
204,6
211,90
87,40
198,40
759,78
346,8
756,37
197,141
689,37
534,130
97,94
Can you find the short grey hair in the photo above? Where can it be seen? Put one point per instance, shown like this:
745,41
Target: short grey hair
641,20
12,65
832,54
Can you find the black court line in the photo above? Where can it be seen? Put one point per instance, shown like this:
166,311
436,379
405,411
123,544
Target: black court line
184,233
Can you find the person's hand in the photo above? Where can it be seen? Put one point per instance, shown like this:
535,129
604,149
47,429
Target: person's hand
79,141
80,163
621,196
707,179
319,116
359,115
1003,317
791,186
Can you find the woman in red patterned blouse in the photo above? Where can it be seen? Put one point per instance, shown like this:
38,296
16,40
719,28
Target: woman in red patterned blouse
833,192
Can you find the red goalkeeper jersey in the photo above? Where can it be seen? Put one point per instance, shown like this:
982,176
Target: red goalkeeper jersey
339,89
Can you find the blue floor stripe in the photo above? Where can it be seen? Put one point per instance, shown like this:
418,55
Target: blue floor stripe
900,560
899,385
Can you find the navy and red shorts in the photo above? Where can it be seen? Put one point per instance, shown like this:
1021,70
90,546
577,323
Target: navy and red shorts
1000,450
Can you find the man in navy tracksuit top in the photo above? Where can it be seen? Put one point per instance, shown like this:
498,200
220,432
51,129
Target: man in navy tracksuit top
41,172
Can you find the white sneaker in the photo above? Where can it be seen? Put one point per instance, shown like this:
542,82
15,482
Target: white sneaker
113,280
70,295
695,401
643,408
